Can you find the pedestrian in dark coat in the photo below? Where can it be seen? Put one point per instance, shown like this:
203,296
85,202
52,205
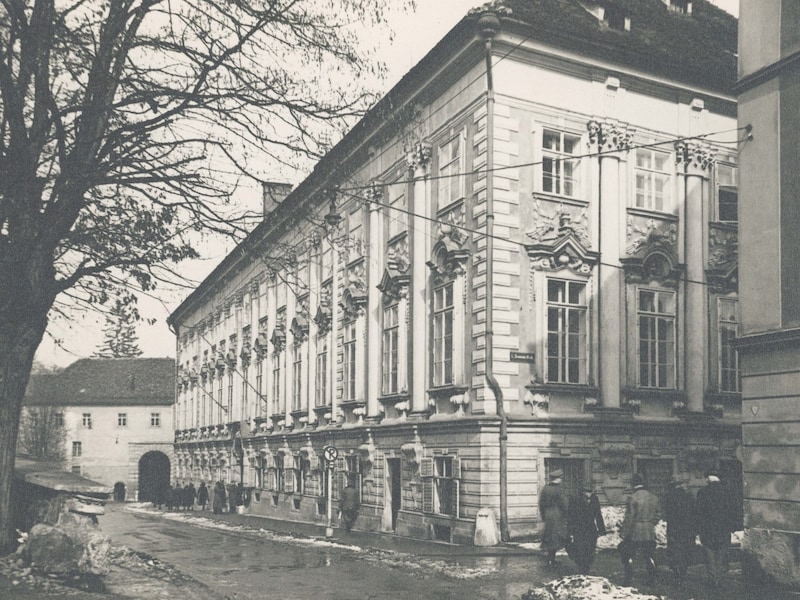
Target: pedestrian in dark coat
189,494
202,495
219,498
553,510
177,496
231,489
715,522
679,511
348,506
642,513
168,494
584,525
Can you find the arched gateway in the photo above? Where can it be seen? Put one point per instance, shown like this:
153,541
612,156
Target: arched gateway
153,476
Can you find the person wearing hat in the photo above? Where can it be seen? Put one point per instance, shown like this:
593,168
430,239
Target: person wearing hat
553,509
584,525
642,513
715,518
679,512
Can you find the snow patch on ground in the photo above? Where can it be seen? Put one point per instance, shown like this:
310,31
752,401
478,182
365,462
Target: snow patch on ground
394,559
580,587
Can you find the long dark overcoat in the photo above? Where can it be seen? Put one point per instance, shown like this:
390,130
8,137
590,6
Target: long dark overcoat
553,510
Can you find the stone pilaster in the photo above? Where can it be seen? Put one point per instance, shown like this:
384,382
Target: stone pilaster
374,316
419,158
610,138
695,159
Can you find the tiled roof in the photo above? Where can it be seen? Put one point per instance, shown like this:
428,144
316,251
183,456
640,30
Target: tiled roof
698,48
106,382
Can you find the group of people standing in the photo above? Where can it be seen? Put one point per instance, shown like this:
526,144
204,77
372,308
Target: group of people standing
186,497
577,522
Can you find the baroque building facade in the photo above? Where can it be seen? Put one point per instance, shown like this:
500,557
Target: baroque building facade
522,259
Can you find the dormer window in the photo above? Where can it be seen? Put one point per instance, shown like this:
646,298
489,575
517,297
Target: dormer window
682,7
609,14
616,18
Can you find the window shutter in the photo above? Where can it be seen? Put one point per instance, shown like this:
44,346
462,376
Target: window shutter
427,495
339,484
456,498
341,465
456,467
313,462
426,467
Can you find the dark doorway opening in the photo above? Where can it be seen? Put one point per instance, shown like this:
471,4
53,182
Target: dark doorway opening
119,492
395,488
153,477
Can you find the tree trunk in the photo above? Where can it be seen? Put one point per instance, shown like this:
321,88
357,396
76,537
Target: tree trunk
20,335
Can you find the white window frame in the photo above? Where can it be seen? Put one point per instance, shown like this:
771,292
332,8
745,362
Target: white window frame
665,357
564,347
355,235
77,449
443,354
155,419
86,420
439,473
726,179
451,167
349,358
122,420
276,383
391,350
554,161
297,376
646,177
321,379
727,357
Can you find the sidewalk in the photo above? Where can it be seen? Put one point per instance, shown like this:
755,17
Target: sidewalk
607,563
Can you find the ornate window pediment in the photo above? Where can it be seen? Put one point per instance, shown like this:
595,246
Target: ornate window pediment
659,265
278,339
354,302
323,319
562,252
448,257
394,282
299,328
261,344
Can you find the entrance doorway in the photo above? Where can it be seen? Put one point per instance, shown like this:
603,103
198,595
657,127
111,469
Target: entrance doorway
394,492
153,476
119,492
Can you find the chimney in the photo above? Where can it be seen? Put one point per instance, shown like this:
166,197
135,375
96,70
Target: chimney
273,193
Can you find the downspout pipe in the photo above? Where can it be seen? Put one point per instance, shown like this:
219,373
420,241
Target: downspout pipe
488,26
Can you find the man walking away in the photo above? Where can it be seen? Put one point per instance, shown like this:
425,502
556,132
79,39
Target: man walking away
219,498
679,511
202,495
584,525
639,529
553,510
189,496
348,506
715,518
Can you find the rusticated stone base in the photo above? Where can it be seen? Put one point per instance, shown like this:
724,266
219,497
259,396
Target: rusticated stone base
770,557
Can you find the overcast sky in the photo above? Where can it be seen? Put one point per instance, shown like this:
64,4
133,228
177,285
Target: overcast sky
415,34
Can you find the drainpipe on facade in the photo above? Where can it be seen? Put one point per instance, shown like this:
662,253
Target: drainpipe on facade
488,26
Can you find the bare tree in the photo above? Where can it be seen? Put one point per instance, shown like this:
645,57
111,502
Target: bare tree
42,433
128,124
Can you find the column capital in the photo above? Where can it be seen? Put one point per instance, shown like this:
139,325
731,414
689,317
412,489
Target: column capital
696,157
610,135
374,194
418,155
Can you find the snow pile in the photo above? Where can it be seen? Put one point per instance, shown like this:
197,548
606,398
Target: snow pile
585,587
613,517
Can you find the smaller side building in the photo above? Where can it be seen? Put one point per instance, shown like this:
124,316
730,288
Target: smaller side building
112,418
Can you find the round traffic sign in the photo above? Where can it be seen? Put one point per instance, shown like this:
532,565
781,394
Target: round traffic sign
330,453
